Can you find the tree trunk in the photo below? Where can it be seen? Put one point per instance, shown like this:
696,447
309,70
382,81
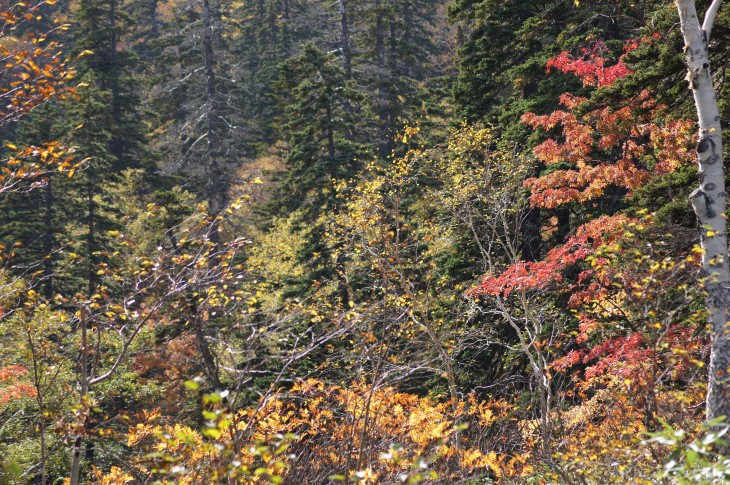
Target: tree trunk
91,228
117,142
709,202
155,19
346,61
345,32
48,239
382,83
531,237
38,384
215,188
83,390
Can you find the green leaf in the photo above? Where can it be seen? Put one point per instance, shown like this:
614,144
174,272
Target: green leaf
691,457
12,468
186,438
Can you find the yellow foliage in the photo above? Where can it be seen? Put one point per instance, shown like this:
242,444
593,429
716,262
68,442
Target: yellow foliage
376,435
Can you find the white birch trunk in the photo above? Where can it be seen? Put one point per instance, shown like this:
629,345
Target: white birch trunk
709,201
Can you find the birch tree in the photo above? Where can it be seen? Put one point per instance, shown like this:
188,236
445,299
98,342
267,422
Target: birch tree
709,200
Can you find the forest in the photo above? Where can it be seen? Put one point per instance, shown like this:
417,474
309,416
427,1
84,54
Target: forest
364,241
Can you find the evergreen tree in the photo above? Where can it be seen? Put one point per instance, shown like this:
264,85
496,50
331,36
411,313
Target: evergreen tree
106,126
205,133
394,52
318,121
503,48
100,27
267,32
35,215
145,34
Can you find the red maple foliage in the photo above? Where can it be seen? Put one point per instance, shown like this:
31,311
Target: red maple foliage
607,147
526,275
590,66
621,147
14,388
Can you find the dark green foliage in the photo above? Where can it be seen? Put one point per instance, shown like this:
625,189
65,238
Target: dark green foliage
396,55
668,197
319,119
266,34
101,25
505,45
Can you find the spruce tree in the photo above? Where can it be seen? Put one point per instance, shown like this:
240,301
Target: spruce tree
100,28
394,53
318,119
36,213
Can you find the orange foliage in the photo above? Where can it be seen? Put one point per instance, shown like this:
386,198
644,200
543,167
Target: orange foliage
621,147
14,388
33,68
33,72
602,437
370,435
171,364
357,428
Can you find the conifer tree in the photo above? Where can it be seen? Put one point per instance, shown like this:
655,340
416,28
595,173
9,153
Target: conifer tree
394,54
318,121
205,134
36,213
105,124
267,34
100,28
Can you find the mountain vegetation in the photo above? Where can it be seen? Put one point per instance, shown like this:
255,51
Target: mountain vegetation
363,241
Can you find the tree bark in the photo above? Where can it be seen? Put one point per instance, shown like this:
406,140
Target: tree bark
48,239
155,19
346,61
38,384
91,230
117,143
215,188
383,84
83,390
345,33
709,201
531,238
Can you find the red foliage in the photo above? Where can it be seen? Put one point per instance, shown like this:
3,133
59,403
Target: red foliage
568,360
627,356
591,67
525,275
620,147
14,389
625,349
